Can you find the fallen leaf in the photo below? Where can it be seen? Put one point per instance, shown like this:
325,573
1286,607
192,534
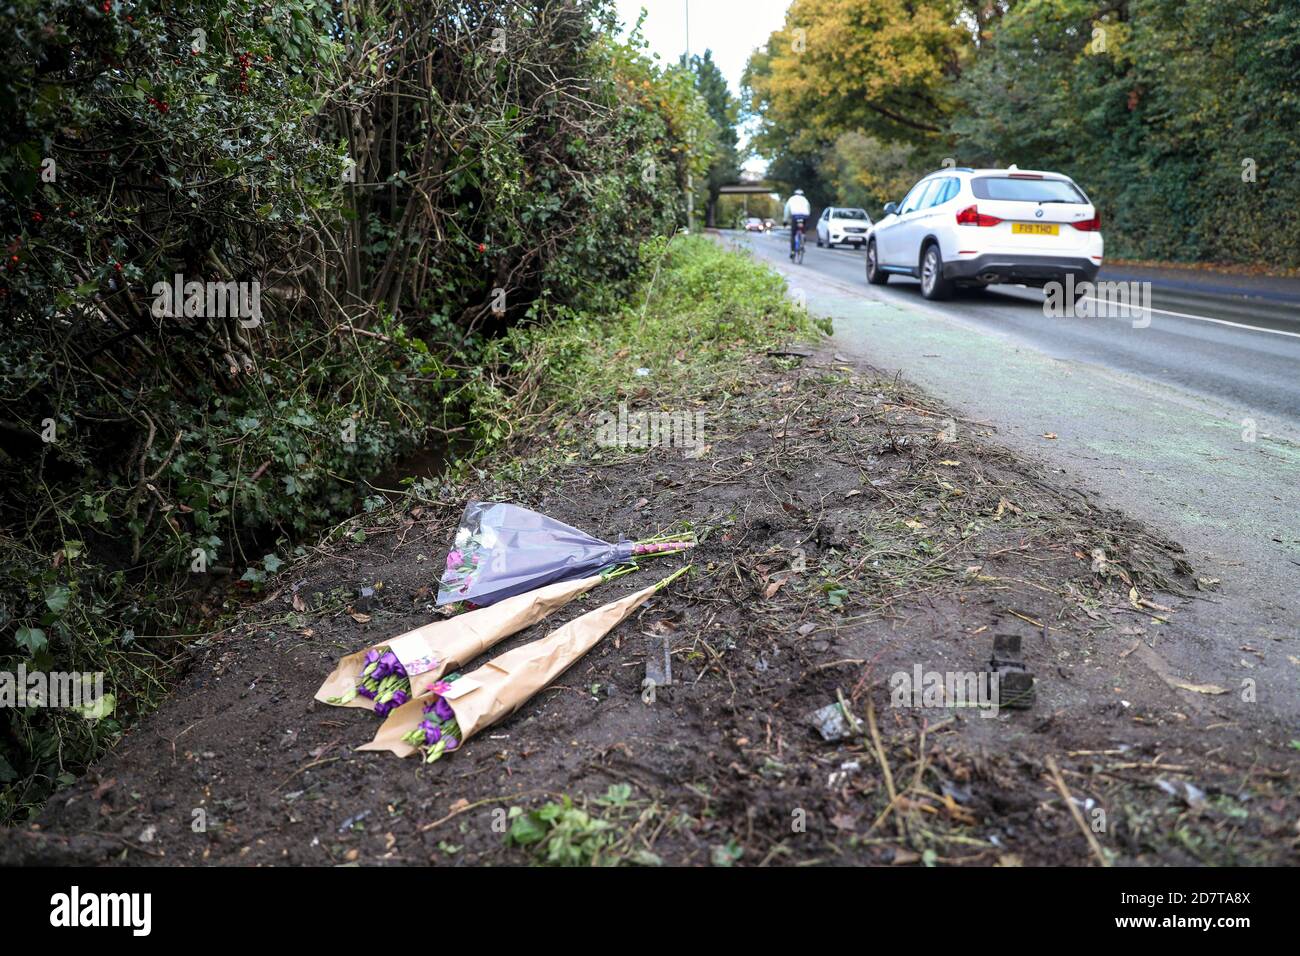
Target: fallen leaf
360,618
774,587
1201,688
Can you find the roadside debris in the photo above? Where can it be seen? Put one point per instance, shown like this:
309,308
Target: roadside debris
658,671
1015,682
830,721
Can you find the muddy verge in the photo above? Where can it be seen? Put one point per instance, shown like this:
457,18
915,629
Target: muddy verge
855,538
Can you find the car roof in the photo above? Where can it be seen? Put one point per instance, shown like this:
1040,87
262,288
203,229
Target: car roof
990,171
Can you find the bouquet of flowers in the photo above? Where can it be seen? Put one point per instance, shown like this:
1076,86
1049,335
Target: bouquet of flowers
502,550
388,675
438,732
463,707
383,681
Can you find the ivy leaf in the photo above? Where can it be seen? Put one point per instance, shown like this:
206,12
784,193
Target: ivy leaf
526,830
56,599
32,638
98,709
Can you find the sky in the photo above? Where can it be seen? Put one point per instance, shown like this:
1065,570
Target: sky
730,28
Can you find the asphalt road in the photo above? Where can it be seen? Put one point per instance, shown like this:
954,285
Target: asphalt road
1241,348
1191,424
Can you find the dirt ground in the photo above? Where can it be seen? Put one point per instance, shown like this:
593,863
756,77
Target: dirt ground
851,530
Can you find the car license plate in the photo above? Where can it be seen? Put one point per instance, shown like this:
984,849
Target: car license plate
1036,228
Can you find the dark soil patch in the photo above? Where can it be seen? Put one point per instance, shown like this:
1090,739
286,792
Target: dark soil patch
851,530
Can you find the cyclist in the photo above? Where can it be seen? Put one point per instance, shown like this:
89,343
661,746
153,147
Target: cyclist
797,211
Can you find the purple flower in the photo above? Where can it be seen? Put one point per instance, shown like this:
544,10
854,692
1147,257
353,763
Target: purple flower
443,709
400,697
454,560
432,733
365,692
452,743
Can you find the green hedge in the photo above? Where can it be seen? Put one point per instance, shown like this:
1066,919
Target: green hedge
404,183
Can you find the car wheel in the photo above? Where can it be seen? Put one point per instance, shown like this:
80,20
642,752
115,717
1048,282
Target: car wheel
875,275
933,285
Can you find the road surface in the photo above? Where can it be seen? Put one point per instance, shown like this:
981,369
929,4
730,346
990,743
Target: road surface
1191,424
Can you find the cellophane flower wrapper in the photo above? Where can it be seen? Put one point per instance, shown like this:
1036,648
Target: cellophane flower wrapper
502,550
429,652
498,688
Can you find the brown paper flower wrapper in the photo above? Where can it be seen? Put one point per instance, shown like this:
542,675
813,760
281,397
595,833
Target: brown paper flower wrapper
445,645
504,684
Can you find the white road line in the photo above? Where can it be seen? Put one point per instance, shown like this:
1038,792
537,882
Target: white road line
1180,315
1206,318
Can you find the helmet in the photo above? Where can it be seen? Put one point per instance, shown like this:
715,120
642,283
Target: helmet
798,192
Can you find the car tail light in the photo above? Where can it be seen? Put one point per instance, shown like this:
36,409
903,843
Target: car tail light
1089,225
971,216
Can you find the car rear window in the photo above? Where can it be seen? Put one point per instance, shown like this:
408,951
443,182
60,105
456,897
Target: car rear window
849,214
1026,190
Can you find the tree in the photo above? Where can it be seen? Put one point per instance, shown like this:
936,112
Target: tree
724,110
884,67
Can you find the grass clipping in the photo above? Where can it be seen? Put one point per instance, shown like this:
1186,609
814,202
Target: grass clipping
503,685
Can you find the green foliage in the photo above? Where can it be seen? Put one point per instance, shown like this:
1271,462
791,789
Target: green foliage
724,110
400,207
1155,107
700,309
866,172
559,833
1179,117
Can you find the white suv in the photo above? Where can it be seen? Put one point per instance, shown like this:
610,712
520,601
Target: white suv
839,224
980,226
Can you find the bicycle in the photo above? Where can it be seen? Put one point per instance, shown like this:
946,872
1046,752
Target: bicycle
798,243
